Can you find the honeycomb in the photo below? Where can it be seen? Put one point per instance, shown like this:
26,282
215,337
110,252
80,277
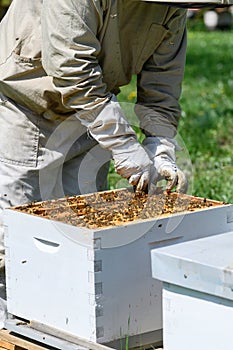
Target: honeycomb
114,208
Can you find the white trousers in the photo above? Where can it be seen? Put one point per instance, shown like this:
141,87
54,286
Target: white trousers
42,159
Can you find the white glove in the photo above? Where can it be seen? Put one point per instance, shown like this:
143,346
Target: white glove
112,131
162,152
133,163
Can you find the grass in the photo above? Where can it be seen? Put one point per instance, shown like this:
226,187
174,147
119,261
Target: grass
206,125
207,122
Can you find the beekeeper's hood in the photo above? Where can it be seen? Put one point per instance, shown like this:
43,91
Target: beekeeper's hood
195,3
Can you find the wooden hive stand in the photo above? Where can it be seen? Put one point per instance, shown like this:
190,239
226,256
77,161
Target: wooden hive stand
11,341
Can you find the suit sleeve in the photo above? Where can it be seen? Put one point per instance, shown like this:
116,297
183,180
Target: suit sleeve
159,83
70,49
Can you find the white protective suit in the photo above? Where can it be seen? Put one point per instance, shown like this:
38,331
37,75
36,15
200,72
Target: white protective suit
61,65
69,59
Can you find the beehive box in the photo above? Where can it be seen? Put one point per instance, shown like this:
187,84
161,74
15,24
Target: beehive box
197,293
82,264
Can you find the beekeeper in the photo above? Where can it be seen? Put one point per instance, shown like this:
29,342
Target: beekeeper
61,66
65,64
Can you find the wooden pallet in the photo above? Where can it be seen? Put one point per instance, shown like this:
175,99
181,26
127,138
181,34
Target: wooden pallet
36,336
11,341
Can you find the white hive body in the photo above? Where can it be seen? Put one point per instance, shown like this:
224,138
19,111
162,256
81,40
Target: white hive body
197,293
96,282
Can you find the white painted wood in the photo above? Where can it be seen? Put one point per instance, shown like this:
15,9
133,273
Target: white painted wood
194,320
95,284
197,293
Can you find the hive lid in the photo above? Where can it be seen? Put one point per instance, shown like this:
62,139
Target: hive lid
205,265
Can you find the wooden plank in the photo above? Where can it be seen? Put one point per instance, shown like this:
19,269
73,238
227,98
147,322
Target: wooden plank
23,329
9,341
67,336
6,345
16,343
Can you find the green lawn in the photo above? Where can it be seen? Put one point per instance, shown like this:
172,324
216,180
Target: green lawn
206,125
207,102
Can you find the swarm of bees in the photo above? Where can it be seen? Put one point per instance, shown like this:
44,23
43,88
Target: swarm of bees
114,208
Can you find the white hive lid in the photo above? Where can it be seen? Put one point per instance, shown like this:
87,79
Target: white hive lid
205,265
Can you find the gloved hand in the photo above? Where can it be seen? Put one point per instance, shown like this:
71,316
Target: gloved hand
161,151
112,131
132,162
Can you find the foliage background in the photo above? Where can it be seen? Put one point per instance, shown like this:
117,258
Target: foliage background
206,124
